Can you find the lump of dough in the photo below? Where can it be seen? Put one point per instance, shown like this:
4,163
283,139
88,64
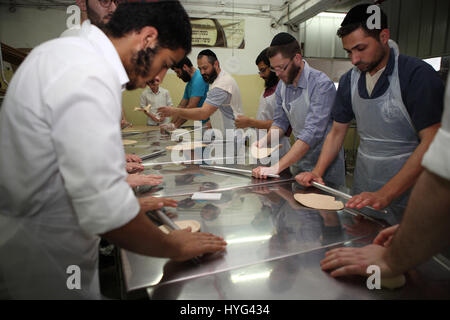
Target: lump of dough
128,142
394,282
186,146
318,201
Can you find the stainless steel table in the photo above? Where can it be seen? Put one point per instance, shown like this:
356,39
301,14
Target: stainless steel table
274,245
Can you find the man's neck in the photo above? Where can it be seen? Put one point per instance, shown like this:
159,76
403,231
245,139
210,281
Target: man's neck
155,90
297,78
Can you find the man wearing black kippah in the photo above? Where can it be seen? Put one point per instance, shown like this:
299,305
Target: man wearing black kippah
304,99
397,102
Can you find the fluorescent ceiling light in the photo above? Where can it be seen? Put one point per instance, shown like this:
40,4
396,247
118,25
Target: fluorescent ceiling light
332,15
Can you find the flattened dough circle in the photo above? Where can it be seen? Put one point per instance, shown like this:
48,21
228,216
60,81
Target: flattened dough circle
183,224
186,146
128,142
318,201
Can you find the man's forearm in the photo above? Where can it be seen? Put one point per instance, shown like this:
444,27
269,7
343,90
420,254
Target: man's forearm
331,148
260,124
424,229
141,236
191,114
297,151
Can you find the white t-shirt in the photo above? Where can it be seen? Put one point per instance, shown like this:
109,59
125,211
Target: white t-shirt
158,99
437,158
62,176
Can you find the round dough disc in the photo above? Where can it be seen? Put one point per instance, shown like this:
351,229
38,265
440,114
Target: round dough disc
394,282
128,142
183,224
259,153
318,201
186,146
140,129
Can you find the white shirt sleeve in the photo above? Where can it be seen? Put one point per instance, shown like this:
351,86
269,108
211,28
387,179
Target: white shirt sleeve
85,113
437,158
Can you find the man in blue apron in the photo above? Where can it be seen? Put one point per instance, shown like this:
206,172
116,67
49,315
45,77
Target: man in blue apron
397,102
304,98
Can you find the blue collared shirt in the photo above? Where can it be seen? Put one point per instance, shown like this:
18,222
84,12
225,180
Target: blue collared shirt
321,95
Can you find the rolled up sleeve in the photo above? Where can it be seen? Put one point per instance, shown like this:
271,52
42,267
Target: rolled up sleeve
90,154
321,102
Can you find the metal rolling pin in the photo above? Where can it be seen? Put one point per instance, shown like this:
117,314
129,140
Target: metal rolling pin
153,154
234,170
340,194
168,222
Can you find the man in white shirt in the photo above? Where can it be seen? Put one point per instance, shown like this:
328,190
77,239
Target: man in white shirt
62,182
157,97
223,95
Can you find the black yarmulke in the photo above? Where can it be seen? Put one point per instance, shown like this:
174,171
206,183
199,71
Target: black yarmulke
358,14
282,38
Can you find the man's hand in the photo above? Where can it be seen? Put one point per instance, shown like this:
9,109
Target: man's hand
166,127
378,200
133,167
306,179
262,172
384,238
354,261
188,245
125,124
166,111
152,203
136,179
242,122
132,158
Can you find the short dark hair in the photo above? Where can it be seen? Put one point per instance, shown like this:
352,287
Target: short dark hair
182,62
168,17
208,53
263,57
287,50
357,18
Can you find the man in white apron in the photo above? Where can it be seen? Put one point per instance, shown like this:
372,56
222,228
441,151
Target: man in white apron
397,102
304,100
267,103
223,101
62,183
423,231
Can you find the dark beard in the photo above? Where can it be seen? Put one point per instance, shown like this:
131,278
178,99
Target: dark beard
95,19
186,77
293,72
211,77
271,81
141,62
371,66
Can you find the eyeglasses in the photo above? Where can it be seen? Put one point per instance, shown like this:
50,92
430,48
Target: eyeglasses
107,3
282,69
262,70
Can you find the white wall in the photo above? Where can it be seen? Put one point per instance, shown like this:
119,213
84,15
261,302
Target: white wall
28,27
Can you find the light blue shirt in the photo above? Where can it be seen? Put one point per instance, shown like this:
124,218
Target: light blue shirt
321,95
196,87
